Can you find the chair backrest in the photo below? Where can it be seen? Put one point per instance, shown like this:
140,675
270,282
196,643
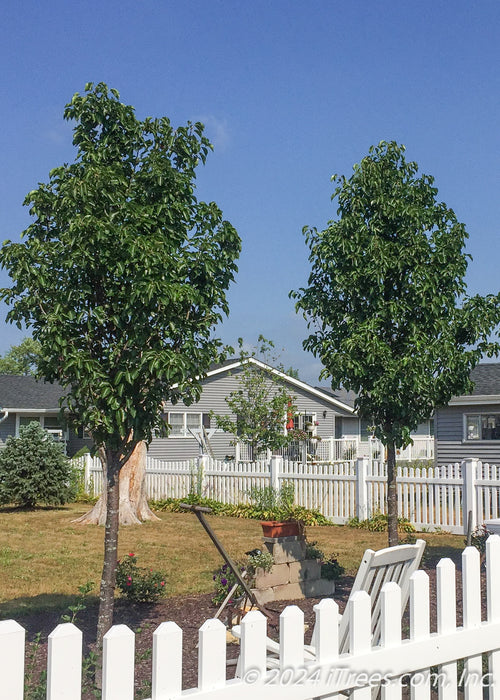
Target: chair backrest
391,564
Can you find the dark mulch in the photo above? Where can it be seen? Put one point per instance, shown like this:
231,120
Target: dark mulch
189,612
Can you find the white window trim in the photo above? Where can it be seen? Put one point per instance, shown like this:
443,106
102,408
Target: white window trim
480,414
302,424
186,434
40,418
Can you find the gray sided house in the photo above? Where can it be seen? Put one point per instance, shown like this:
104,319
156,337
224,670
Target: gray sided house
23,400
469,427
315,406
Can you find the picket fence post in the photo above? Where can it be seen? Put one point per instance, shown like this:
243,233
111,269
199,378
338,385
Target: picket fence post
12,637
361,488
64,663
469,501
276,470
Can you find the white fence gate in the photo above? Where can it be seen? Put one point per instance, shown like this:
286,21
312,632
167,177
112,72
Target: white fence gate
430,498
424,662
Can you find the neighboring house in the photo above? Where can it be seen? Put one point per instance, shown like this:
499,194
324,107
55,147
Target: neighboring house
23,399
469,427
315,406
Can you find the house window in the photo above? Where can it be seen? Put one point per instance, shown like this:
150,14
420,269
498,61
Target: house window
482,426
181,423
26,420
305,421
51,424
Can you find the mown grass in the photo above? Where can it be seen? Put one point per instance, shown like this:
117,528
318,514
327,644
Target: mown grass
44,557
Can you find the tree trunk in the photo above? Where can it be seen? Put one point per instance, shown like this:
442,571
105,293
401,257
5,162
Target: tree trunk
133,503
111,467
392,495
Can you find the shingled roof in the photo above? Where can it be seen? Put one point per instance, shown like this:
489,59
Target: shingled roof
486,378
28,393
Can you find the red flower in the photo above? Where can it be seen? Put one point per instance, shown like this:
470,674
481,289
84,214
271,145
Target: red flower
131,554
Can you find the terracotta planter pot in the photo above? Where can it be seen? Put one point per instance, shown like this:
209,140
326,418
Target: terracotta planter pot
274,528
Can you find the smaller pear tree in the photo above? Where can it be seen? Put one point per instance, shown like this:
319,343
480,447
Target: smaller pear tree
261,404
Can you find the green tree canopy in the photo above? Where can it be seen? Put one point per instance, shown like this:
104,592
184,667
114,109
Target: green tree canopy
21,359
387,302
260,405
122,276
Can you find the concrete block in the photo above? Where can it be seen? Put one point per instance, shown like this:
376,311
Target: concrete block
286,550
278,576
318,588
306,570
290,591
265,596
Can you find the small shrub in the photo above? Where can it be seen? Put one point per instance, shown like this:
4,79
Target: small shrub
313,551
378,523
33,469
259,560
139,585
242,510
331,569
479,537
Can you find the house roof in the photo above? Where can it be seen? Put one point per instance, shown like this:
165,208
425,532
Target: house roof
333,398
486,378
26,393
347,397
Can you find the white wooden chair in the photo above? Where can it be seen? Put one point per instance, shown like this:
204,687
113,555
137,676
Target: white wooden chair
392,564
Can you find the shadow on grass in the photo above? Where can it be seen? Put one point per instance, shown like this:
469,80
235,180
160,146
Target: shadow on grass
33,509
51,605
433,553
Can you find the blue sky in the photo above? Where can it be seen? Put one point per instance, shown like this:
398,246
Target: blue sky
290,92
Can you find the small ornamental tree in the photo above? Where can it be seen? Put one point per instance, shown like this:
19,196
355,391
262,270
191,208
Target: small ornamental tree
387,301
33,469
261,404
122,277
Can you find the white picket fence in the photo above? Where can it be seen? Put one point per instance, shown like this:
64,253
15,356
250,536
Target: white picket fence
431,498
425,661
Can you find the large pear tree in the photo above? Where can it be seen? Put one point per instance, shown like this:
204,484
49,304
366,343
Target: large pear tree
121,277
386,301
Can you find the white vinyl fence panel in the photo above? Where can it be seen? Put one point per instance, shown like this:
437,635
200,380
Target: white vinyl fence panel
429,497
421,662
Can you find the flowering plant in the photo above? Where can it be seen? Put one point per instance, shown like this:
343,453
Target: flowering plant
139,585
224,580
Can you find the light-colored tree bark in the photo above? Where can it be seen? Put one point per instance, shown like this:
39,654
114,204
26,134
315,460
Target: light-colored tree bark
134,507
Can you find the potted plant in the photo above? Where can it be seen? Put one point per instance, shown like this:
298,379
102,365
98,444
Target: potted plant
275,508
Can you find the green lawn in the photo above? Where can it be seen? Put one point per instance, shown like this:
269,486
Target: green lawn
44,557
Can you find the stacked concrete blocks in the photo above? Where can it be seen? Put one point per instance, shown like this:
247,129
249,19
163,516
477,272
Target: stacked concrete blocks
292,576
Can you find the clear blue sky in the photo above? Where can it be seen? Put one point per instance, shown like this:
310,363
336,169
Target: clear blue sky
291,92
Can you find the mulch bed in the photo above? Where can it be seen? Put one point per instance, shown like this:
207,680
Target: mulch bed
189,612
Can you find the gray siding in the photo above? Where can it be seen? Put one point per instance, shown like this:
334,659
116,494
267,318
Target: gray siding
450,444
7,427
215,390
74,444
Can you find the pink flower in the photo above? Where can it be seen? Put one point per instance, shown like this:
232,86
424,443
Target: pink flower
129,583
162,583
129,578
131,554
